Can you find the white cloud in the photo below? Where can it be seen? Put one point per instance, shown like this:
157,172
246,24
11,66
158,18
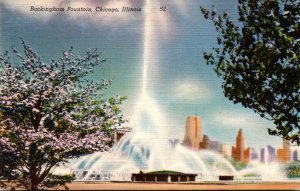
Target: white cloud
233,120
239,120
191,90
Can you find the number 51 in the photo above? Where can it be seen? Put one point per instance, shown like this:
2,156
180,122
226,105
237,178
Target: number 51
163,8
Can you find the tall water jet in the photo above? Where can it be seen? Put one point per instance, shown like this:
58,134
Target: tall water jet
146,49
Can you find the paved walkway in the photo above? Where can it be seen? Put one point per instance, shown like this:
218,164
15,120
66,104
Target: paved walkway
183,186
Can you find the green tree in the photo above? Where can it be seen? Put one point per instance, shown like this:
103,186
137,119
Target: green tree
258,60
49,113
293,170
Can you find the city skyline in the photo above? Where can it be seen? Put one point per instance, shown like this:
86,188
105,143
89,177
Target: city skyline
195,140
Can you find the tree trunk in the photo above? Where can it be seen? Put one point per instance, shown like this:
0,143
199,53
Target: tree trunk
34,180
34,183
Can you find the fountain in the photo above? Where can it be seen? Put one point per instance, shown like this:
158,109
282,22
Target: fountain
147,147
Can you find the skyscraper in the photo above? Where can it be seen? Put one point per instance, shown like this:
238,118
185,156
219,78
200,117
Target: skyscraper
284,154
239,153
295,155
268,154
193,132
209,144
253,154
223,149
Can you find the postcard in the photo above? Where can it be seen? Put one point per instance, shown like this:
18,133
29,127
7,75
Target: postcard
113,94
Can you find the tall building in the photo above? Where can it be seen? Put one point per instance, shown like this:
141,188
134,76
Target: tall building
253,154
284,154
295,155
223,149
209,144
193,132
267,154
239,153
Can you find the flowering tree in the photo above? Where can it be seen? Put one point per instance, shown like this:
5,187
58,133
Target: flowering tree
50,113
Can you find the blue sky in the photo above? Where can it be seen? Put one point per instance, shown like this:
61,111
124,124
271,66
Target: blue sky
178,78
